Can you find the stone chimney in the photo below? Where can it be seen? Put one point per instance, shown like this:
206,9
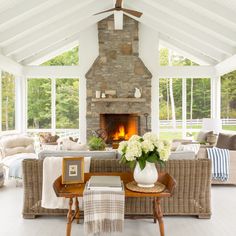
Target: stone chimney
118,67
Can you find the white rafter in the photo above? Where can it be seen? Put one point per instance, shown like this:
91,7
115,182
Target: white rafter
58,11
186,51
201,21
52,51
57,37
213,8
183,27
20,9
43,32
189,41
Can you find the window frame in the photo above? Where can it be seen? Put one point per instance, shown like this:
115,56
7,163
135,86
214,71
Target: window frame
53,128
13,131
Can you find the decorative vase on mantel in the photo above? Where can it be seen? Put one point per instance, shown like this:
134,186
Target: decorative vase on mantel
141,153
147,177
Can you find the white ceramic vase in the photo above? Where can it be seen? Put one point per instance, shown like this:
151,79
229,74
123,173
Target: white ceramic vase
147,177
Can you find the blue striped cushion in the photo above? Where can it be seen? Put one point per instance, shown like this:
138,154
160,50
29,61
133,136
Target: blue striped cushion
220,163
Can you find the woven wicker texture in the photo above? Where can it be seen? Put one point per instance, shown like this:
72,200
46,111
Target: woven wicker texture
191,196
157,188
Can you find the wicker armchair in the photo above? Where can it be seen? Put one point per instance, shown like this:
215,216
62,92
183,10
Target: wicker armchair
191,197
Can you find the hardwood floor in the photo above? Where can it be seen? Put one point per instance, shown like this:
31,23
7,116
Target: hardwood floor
222,222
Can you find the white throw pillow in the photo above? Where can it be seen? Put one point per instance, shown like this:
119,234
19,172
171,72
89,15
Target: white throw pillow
189,147
70,145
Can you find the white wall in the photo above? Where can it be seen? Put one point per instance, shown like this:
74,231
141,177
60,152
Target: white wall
88,52
149,53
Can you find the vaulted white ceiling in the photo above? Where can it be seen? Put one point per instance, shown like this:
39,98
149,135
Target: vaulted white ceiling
32,29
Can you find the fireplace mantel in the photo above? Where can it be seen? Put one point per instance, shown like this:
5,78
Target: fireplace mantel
118,100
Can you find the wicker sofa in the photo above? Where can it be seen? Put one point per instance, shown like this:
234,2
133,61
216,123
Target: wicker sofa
192,195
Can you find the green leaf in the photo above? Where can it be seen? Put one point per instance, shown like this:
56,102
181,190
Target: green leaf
152,158
142,163
132,164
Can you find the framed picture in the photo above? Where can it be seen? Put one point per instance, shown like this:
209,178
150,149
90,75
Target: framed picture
72,170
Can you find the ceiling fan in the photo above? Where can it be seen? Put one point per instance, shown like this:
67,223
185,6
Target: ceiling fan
118,7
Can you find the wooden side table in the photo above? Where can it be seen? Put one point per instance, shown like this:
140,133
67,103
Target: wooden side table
76,190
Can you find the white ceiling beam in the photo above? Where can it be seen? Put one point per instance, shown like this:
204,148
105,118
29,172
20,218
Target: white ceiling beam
189,41
214,8
227,65
183,26
33,38
20,9
199,20
52,13
7,64
186,51
52,51
58,36
52,71
187,72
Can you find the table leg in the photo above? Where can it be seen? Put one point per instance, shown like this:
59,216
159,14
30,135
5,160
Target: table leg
159,216
77,210
154,210
69,218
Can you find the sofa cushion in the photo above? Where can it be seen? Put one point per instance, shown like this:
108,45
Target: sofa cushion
182,155
15,144
71,145
227,141
189,147
202,136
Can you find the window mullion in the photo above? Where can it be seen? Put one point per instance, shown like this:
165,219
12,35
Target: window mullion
0,100
53,104
184,106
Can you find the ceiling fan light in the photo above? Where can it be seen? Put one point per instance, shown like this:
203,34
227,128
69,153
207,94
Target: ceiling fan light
118,20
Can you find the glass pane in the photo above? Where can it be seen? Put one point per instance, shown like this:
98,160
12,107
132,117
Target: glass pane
198,101
69,58
228,101
170,135
67,103
39,103
8,101
171,103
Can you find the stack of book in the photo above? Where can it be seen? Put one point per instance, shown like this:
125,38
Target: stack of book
105,183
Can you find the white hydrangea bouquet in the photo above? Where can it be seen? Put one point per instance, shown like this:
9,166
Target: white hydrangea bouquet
147,148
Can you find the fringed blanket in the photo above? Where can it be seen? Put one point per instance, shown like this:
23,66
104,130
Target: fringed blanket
103,211
220,163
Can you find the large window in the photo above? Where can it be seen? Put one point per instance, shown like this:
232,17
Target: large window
53,103
196,104
39,103
228,101
7,101
67,103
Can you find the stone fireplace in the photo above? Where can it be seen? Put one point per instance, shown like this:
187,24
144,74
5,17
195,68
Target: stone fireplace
119,127
118,68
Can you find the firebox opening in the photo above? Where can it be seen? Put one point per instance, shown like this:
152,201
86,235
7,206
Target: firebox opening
119,127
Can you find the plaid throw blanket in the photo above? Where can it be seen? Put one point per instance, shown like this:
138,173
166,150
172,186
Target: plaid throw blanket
103,211
220,163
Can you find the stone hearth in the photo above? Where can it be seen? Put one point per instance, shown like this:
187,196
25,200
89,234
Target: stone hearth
118,67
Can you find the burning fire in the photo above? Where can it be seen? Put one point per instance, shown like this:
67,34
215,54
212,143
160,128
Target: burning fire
120,134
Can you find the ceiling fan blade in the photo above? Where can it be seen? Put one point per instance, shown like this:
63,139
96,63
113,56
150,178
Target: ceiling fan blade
118,3
132,12
113,9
